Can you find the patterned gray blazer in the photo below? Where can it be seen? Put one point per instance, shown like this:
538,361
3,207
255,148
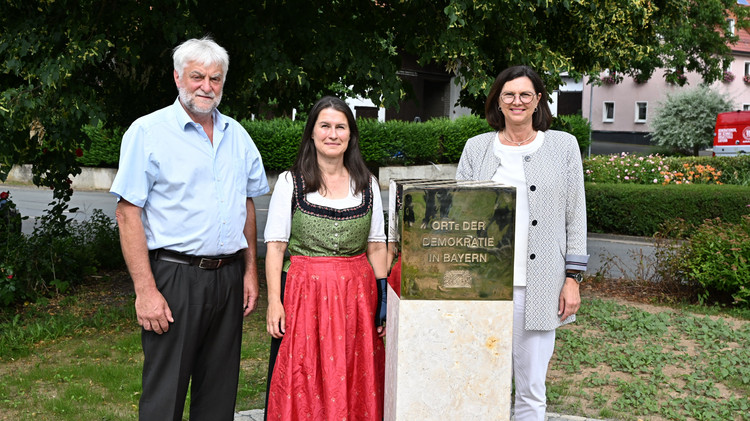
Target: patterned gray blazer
557,220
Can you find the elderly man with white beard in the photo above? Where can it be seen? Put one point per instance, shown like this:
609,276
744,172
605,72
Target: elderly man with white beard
185,211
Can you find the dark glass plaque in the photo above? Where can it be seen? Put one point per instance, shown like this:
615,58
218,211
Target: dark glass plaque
456,238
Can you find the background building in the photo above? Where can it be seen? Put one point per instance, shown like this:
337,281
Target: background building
621,112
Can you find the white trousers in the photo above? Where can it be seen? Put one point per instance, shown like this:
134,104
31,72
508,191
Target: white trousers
532,351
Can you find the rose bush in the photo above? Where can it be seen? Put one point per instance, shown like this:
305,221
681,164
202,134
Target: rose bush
10,219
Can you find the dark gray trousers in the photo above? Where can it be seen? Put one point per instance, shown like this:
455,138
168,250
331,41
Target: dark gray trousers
203,344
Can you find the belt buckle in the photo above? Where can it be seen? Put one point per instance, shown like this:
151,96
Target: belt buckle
209,263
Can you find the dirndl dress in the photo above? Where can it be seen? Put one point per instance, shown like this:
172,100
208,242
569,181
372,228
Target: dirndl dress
330,363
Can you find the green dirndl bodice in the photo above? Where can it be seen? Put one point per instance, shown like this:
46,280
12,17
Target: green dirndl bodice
323,231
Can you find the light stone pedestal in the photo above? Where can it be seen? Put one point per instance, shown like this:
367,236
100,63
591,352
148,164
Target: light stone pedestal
448,359
449,328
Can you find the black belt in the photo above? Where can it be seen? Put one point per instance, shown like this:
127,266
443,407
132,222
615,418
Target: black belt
203,262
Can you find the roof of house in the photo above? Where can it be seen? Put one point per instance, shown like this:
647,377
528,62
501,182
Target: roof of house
743,45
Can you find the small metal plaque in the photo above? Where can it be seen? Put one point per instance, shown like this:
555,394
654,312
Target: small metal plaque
457,279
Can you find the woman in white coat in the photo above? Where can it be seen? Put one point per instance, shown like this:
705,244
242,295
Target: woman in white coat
550,248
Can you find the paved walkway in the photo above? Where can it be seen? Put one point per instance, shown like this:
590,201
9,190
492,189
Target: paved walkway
257,415
251,415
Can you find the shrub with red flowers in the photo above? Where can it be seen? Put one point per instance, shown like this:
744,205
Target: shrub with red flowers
10,219
728,76
45,262
10,229
746,79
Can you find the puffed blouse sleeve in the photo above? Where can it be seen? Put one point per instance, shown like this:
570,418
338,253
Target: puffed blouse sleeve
377,224
279,222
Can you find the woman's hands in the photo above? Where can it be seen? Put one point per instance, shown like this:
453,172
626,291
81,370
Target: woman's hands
275,315
276,319
570,299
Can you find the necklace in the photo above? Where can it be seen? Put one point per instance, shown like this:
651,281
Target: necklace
521,142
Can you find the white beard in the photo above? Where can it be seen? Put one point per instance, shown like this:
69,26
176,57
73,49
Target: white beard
188,101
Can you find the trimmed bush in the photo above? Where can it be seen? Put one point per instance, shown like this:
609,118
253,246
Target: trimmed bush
637,209
394,142
575,125
383,144
277,140
455,133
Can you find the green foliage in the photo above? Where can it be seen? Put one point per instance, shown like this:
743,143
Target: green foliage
10,218
277,140
657,169
627,36
379,143
391,143
455,135
46,262
104,146
66,64
686,119
439,140
717,257
576,125
637,209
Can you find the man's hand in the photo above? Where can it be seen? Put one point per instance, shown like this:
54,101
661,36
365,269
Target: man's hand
153,311
250,293
250,280
151,308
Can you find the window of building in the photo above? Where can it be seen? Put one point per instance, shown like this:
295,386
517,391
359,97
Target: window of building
730,22
745,107
641,111
747,68
609,112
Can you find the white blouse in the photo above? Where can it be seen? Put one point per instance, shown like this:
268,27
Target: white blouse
511,172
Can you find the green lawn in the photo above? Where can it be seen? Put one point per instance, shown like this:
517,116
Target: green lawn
79,358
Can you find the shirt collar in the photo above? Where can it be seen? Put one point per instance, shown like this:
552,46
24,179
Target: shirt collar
220,122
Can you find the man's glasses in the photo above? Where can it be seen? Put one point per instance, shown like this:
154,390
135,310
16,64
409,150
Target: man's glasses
509,97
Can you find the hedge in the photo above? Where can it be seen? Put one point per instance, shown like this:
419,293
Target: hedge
393,142
277,140
640,209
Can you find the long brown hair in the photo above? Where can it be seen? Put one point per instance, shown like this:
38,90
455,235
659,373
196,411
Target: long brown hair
307,156
542,117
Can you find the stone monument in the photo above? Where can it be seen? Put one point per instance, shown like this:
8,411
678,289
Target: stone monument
450,320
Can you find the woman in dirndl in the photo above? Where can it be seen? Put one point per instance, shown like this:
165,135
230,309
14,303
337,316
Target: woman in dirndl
326,302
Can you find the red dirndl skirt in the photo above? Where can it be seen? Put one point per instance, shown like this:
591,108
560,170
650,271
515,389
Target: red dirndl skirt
394,278
331,362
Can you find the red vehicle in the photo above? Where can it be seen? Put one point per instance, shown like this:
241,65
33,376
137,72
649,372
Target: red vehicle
732,133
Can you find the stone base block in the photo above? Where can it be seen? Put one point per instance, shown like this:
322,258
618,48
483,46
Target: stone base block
448,359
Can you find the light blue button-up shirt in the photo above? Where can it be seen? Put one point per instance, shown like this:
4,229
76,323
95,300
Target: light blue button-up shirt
192,192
